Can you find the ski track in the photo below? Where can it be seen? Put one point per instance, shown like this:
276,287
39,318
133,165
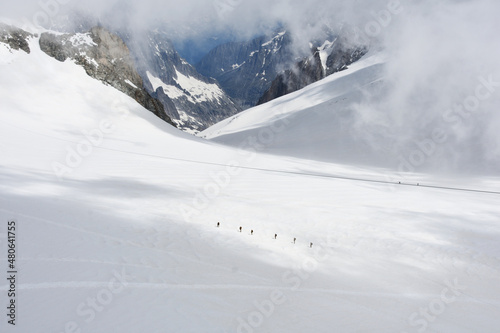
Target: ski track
208,287
289,172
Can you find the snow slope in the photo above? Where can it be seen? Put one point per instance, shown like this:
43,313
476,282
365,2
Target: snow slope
123,237
319,118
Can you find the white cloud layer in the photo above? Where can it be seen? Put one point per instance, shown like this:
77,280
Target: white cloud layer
443,89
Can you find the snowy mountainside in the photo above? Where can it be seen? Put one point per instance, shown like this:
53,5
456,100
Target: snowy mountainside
353,117
117,210
199,101
318,120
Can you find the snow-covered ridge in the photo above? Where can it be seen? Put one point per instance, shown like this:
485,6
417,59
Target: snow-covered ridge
236,66
309,96
324,51
279,35
127,81
170,90
199,90
194,90
324,107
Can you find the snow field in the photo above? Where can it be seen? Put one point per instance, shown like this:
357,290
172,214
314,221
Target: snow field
385,258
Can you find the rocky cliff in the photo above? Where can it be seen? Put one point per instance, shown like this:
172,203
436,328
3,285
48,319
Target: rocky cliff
327,59
305,72
246,69
193,101
105,57
15,38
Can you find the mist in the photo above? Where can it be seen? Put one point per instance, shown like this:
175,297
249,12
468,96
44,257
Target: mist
438,108
190,19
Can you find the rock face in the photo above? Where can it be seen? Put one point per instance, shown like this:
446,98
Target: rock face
246,69
193,101
16,38
329,58
304,73
342,56
105,57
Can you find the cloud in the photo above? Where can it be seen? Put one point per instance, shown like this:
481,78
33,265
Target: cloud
195,20
442,75
196,16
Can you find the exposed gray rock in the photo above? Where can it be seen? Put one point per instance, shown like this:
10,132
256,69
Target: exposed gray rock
105,57
343,55
307,71
16,38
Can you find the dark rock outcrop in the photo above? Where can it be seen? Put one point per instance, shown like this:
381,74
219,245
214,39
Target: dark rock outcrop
105,57
304,73
307,71
341,57
16,38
